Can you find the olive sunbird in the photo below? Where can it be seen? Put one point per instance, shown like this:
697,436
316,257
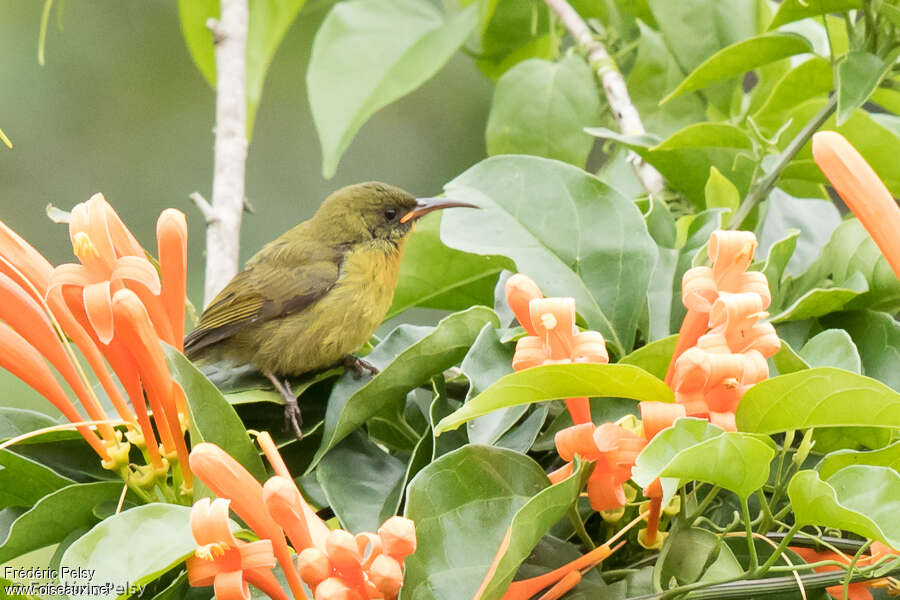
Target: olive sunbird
310,298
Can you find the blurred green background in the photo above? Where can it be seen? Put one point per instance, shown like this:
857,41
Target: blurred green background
119,108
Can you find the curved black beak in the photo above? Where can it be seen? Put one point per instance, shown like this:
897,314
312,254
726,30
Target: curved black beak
426,205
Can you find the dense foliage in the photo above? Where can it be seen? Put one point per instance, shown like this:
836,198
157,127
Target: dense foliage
447,434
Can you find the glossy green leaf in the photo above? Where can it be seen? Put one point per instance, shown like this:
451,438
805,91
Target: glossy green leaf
877,337
212,418
814,218
707,135
512,31
888,456
809,79
367,54
820,301
269,22
441,406
686,168
693,449
823,397
725,22
694,554
859,498
527,528
522,436
654,357
405,363
463,279
857,77
554,382
488,360
654,73
721,193
563,101
741,57
779,255
465,501
18,421
158,538
24,481
787,360
832,348
55,516
794,10
595,248
362,482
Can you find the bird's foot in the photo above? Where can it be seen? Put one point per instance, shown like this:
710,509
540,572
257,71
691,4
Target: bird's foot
292,417
358,365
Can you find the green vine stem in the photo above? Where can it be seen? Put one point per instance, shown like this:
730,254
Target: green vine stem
762,188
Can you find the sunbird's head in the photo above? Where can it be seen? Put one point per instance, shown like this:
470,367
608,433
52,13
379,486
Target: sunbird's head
378,211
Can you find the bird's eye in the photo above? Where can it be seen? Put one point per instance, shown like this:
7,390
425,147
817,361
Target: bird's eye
390,213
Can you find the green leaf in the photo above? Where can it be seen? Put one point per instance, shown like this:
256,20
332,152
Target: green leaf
595,248
488,360
823,397
779,255
821,301
877,337
888,456
693,449
527,528
24,481
269,22
55,516
212,418
513,31
707,135
857,77
654,357
405,365
741,57
554,382
158,538
721,193
362,482
794,10
563,100
787,360
686,167
367,54
693,553
832,348
809,79
551,553
816,220
463,504
18,421
463,279
859,498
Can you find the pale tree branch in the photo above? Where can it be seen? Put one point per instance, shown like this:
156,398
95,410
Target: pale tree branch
223,215
613,84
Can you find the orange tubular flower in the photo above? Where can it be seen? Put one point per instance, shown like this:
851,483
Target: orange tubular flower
857,591
226,563
138,336
171,240
553,336
228,479
22,360
862,190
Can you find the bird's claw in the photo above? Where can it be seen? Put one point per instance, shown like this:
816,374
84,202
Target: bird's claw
292,418
358,365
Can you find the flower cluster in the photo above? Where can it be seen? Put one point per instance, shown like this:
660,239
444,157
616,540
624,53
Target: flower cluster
725,342
116,308
552,336
334,564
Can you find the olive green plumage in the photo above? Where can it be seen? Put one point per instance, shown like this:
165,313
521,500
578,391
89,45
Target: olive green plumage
316,293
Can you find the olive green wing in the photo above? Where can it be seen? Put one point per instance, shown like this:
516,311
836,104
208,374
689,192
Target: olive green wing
261,293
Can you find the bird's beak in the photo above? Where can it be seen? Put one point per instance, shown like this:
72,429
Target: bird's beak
426,205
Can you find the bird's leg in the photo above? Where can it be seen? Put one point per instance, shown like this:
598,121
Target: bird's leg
292,416
358,365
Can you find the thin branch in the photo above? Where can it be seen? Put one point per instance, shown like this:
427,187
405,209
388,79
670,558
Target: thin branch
620,103
223,216
762,188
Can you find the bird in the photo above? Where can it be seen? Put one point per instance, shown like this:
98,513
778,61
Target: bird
314,295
